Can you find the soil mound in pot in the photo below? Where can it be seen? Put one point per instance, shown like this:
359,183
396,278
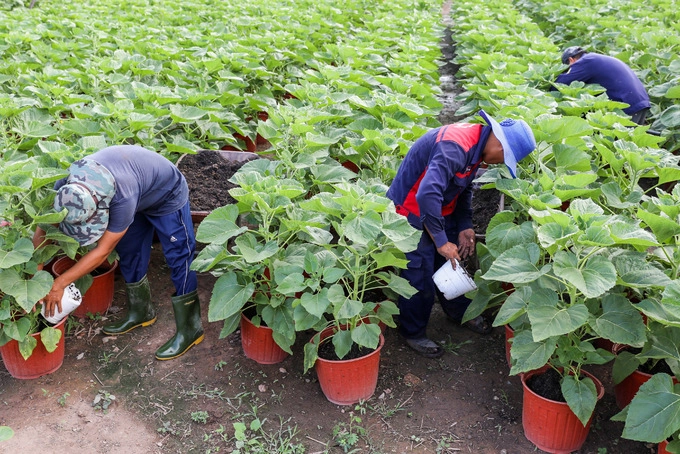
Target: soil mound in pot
207,173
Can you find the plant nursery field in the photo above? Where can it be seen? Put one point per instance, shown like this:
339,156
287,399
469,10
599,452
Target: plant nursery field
581,256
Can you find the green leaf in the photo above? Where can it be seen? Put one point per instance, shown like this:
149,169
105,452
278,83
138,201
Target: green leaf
528,355
620,322
219,226
5,433
228,297
548,319
342,341
21,253
315,303
257,253
50,338
367,335
364,229
592,278
517,265
26,292
581,396
27,345
654,412
186,114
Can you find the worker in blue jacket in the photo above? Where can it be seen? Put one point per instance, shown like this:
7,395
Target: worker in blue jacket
432,189
612,74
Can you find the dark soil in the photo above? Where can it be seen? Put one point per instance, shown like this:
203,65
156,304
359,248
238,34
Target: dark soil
207,173
547,385
485,204
327,351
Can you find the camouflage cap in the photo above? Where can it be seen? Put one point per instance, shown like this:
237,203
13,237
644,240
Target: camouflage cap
86,195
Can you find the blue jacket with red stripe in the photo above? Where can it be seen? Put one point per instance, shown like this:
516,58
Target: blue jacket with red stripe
434,179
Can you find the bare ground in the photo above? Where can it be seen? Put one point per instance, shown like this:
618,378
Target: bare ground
462,402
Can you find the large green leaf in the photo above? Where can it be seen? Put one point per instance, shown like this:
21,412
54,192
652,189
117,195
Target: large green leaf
549,318
636,272
654,412
219,226
26,292
528,355
228,297
592,278
620,322
20,253
581,396
517,265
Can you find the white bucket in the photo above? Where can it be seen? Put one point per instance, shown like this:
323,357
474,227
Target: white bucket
453,283
69,302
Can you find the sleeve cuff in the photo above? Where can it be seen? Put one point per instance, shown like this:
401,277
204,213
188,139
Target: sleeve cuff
440,239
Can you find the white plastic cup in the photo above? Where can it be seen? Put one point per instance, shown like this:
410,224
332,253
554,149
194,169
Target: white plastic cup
453,283
69,302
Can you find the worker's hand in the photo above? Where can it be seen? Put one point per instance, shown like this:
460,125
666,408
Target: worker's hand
53,300
450,251
466,243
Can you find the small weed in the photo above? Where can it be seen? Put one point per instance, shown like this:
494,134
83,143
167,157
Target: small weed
601,450
105,358
220,365
103,400
445,445
253,439
93,317
62,400
72,326
199,416
45,392
347,435
385,411
451,347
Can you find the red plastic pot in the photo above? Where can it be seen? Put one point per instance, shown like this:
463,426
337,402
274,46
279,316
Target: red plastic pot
258,343
661,449
551,426
629,386
250,143
41,362
509,334
346,382
98,298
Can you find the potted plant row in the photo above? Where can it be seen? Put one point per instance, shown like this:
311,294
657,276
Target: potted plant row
306,262
29,346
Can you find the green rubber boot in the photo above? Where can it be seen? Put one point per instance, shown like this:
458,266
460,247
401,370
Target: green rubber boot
140,309
189,329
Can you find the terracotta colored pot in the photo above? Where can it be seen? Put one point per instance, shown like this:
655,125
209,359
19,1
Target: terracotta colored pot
509,334
551,426
41,362
346,382
628,388
258,343
250,143
98,298
351,166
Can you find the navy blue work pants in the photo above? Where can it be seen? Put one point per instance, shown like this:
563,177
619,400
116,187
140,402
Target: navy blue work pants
176,234
414,313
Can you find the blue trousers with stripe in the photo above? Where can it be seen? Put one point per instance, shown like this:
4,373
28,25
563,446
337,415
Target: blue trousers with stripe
176,234
414,313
